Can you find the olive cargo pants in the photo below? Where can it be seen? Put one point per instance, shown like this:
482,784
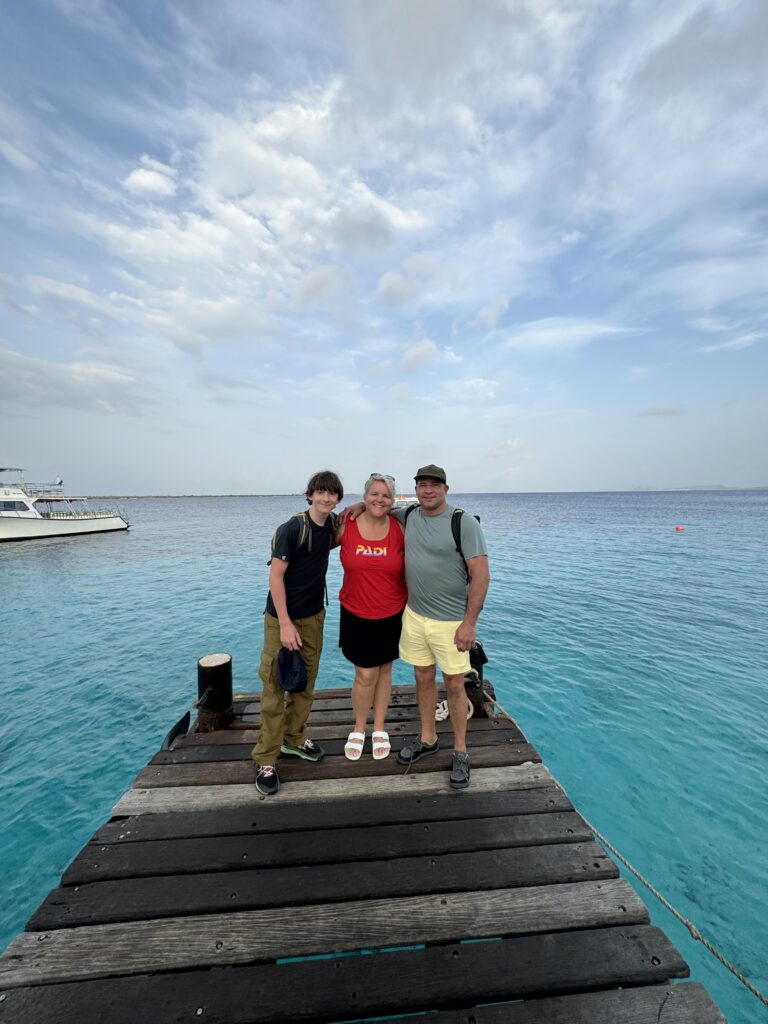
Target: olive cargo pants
284,715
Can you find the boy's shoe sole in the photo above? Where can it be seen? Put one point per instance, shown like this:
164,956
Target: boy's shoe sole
414,750
304,754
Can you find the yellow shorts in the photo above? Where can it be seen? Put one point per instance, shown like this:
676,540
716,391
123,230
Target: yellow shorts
426,641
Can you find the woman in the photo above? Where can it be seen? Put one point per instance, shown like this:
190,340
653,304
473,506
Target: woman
372,598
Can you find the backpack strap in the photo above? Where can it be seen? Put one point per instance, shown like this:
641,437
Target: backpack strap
411,508
305,531
456,531
301,519
456,528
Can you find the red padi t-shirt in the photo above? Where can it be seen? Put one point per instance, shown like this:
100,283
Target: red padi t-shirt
374,573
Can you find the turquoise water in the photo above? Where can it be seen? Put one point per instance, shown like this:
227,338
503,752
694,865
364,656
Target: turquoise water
632,655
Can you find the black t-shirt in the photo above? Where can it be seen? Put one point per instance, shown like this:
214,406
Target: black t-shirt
307,564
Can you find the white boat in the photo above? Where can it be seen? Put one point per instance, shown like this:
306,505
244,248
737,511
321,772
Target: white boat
404,500
28,511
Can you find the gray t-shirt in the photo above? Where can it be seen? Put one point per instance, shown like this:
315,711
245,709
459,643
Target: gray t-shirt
434,570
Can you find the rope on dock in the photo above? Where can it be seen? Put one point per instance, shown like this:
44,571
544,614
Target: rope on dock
694,931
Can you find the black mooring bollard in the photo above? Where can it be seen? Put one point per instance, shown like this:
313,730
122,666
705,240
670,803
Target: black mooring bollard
214,693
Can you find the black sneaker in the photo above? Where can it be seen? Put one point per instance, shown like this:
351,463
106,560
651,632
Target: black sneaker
267,781
308,750
460,770
414,750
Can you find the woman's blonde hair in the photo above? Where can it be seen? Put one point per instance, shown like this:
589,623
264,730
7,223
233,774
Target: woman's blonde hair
384,478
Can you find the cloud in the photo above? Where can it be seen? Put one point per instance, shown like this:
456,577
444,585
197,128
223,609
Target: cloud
531,178
7,298
49,288
215,381
700,134
18,159
343,398
16,138
470,390
361,230
561,333
150,184
662,410
324,287
719,281
32,384
409,282
742,332
506,449
180,315
419,355
193,321
491,314
740,341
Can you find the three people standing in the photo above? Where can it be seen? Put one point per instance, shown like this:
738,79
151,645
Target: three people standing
446,579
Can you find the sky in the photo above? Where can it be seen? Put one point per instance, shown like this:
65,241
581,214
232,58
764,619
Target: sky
523,239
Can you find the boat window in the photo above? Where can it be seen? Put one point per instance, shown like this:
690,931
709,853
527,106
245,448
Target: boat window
14,506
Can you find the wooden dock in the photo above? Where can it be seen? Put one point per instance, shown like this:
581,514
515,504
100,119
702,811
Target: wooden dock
359,891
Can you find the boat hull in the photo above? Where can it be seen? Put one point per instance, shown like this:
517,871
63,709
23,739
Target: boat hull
23,528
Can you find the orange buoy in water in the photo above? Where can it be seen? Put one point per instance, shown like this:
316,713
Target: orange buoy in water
679,529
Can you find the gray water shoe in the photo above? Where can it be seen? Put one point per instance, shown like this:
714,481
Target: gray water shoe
460,770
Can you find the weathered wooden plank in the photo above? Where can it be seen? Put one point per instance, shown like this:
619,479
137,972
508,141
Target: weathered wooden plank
341,716
332,989
333,746
112,950
171,896
276,816
679,1003
200,798
323,701
228,773
327,846
400,691
240,732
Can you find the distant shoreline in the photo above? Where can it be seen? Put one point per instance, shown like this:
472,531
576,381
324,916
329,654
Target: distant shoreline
715,488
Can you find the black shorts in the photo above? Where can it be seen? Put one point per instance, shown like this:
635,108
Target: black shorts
368,643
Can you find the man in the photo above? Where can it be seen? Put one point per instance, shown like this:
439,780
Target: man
293,619
440,618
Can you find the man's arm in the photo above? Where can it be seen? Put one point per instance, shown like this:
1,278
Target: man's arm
480,577
351,512
289,635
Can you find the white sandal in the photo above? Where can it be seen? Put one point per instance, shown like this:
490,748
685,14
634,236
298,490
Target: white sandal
353,748
380,740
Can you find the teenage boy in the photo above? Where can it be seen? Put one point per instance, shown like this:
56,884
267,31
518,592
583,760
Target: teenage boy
294,619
